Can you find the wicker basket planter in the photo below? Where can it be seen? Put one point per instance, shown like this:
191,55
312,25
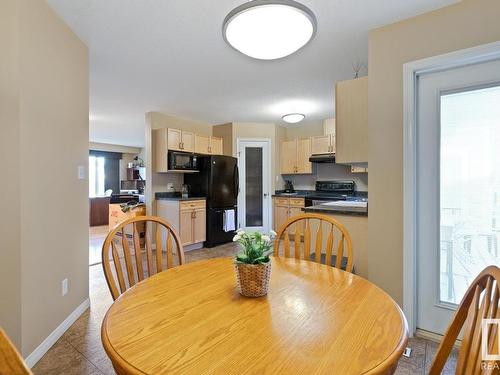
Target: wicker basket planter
253,279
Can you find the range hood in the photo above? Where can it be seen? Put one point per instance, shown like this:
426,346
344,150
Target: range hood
322,158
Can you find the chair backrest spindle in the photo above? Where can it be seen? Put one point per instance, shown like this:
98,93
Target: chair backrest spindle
327,227
479,302
136,267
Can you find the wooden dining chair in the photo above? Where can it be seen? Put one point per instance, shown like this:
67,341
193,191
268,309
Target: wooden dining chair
329,235
480,302
130,266
11,361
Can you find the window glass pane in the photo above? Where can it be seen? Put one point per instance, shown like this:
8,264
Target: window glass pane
96,176
253,187
470,188
100,176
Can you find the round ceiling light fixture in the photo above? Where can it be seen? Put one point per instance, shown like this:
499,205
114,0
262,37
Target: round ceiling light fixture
293,118
269,29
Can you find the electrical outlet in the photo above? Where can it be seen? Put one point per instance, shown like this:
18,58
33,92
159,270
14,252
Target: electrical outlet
64,285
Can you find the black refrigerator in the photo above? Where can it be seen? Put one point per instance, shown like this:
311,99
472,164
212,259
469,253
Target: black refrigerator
218,182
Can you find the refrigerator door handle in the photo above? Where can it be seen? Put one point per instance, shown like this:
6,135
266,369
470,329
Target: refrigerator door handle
236,181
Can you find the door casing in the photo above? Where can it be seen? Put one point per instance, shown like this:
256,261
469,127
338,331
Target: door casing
267,180
411,72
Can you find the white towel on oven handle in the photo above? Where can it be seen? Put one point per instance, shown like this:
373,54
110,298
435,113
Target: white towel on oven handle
228,222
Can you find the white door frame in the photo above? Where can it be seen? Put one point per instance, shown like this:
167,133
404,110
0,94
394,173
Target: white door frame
411,72
267,189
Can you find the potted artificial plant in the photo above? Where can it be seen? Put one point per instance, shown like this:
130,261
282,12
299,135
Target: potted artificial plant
253,266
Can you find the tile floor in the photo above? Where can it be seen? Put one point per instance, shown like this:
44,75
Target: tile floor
79,350
96,238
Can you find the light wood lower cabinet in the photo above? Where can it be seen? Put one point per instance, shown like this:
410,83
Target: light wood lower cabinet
285,208
187,217
199,227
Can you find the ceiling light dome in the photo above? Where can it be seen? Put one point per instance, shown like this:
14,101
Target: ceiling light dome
269,29
293,118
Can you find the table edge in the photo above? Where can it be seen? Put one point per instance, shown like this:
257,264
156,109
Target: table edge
381,368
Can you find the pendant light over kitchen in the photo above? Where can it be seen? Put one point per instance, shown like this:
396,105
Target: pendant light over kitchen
269,29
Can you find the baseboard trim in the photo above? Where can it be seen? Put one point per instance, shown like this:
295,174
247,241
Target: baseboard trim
39,352
423,334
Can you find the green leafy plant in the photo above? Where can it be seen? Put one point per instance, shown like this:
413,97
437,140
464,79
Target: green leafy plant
256,247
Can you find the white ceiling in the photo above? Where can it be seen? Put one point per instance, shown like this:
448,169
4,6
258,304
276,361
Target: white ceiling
169,56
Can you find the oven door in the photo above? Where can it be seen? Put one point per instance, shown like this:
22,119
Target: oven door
182,161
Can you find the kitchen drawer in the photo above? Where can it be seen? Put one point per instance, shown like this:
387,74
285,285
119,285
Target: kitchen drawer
281,201
298,202
191,205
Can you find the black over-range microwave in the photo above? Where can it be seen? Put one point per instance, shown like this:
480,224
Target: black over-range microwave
182,161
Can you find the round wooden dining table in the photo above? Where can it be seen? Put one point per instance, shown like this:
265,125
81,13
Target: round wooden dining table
315,319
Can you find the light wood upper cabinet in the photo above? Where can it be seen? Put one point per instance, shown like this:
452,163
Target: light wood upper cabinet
303,155
288,156
329,126
323,144
187,141
179,140
295,156
351,106
174,139
201,143
216,146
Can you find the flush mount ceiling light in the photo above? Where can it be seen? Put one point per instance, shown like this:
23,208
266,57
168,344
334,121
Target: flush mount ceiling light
293,118
269,29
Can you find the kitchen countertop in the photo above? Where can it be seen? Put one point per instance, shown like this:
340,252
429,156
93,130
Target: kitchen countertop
306,193
176,197
321,208
300,194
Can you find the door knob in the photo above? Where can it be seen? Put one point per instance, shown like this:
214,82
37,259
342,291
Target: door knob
265,195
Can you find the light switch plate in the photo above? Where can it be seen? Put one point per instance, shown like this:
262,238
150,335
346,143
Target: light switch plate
64,285
81,172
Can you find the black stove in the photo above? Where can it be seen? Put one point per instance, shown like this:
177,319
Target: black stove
335,190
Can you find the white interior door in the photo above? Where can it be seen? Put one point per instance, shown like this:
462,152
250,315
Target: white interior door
458,186
254,200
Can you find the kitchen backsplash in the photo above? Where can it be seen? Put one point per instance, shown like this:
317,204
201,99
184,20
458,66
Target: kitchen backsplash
328,172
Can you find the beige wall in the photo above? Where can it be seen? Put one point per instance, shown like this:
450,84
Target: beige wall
10,231
114,148
466,24
304,130
50,130
162,120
